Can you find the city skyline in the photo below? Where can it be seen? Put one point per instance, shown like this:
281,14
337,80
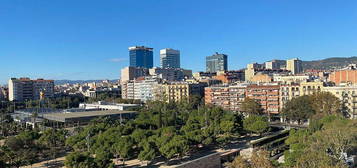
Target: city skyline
41,40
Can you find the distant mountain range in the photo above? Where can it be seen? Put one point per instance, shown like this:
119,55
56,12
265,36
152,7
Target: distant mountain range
61,82
330,63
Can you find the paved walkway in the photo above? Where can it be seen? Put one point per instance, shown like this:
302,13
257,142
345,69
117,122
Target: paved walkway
55,163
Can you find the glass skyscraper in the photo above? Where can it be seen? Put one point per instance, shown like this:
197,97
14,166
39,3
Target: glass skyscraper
141,56
169,58
216,62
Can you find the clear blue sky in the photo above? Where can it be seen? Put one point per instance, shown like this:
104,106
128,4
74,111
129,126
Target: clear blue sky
89,39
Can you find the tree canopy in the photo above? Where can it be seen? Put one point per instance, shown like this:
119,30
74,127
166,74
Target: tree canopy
256,124
251,107
324,146
168,130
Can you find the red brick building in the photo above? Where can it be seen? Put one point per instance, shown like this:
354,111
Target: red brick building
227,97
267,95
344,76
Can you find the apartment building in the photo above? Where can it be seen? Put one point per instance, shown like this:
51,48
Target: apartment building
142,88
261,78
251,70
255,68
292,90
343,76
275,64
177,91
131,73
285,79
127,89
288,92
26,89
230,76
218,96
309,88
203,75
348,97
227,97
267,95
170,74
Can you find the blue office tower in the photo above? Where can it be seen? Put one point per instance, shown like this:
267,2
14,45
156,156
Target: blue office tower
141,56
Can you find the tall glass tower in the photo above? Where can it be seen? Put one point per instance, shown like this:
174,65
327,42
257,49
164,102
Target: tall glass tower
216,62
169,58
141,56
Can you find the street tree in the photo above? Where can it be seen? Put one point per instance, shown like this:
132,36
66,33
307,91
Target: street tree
256,124
124,147
259,159
177,146
299,109
148,152
79,160
325,103
251,107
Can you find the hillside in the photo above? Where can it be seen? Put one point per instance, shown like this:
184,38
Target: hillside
330,63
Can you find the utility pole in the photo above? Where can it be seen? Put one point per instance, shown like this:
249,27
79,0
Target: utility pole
121,119
88,141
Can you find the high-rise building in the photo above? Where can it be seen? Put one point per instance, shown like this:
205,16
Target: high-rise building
216,62
294,65
27,89
141,56
169,58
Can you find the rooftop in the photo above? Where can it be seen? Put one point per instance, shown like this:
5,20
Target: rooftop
140,48
87,114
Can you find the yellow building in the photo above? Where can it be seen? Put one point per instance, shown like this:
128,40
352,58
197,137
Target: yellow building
289,91
308,88
177,91
348,96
